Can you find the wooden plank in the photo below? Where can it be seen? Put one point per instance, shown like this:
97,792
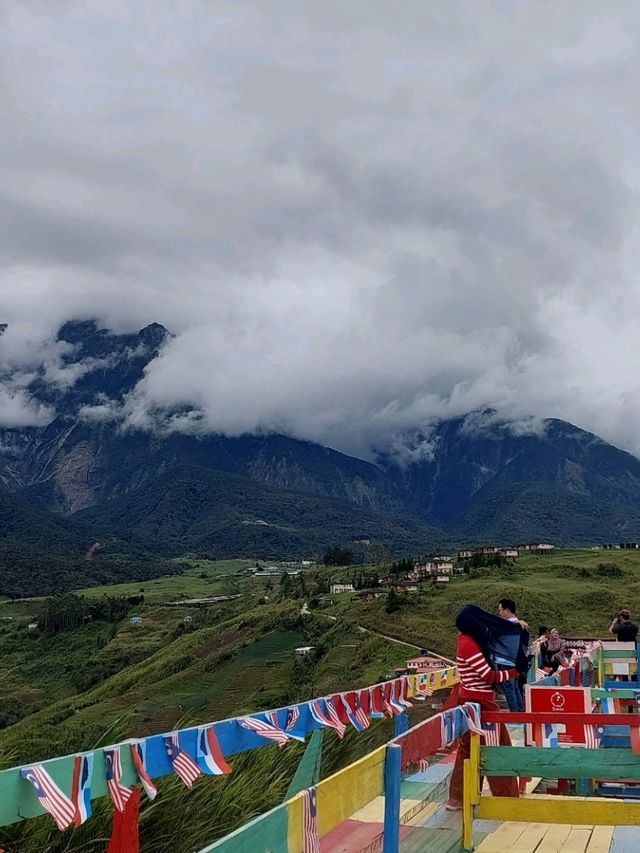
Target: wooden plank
554,838
530,838
502,839
577,840
601,838
556,809
575,763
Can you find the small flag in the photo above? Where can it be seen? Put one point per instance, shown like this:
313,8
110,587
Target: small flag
119,793
395,700
404,692
139,756
273,718
327,716
310,821
293,715
181,761
376,703
387,693
491,733
81,787
355,712
210,757
265,730
49,795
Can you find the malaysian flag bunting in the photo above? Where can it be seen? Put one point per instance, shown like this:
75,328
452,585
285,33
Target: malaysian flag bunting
181,761
293,715
404,690
338,700
386,699
310,821
471,715
592,735
447,722
355,712
265,730
395,700
491,734
117,790
210,757
364,698
274,718
139,756
376,705
327,715
49,795
81,787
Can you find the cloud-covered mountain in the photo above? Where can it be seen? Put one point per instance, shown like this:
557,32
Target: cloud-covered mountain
475,477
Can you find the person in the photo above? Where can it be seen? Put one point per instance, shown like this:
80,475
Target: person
479,633
623,628
512,690
553,651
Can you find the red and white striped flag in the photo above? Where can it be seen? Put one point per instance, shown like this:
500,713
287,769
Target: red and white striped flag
181,761
119,793
328,717
265,730
49,795
310,821
139,756
491,733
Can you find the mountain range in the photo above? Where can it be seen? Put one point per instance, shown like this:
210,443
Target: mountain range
83,479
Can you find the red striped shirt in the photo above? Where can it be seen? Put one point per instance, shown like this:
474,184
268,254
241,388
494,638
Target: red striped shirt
476,676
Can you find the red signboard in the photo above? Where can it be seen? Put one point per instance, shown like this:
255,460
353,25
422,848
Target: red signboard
558,700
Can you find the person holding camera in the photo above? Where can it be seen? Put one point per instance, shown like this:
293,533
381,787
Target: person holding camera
624,629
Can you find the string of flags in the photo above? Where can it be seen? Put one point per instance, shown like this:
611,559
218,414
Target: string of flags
192,753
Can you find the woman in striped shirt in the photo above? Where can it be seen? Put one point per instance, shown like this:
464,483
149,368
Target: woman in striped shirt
477,679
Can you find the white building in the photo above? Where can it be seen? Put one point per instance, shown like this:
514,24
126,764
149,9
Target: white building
336,588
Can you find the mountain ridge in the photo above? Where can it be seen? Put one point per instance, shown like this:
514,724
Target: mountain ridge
474,478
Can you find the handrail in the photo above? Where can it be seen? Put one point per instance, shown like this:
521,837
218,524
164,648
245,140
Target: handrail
631,720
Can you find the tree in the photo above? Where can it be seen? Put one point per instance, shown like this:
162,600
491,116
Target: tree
338,556
393,602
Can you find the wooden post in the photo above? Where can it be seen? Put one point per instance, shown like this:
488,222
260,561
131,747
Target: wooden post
392,779
402,724
470,791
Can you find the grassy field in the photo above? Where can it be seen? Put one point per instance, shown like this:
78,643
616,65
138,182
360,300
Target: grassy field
202,579
109,681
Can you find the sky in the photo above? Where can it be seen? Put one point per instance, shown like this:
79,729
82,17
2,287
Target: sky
355,218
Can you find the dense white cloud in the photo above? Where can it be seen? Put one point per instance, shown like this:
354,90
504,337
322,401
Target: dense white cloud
355,218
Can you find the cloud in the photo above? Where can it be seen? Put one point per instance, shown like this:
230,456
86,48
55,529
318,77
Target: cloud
353,221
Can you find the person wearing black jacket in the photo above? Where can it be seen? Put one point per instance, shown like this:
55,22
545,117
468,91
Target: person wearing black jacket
623,628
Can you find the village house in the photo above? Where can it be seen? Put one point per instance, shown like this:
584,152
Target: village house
442,580
540,550
367,595
399,585
337,588
424,663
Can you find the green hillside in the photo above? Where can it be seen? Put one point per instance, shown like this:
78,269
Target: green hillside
106,679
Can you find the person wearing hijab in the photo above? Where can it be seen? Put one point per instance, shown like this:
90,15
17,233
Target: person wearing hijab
553,650
481,636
